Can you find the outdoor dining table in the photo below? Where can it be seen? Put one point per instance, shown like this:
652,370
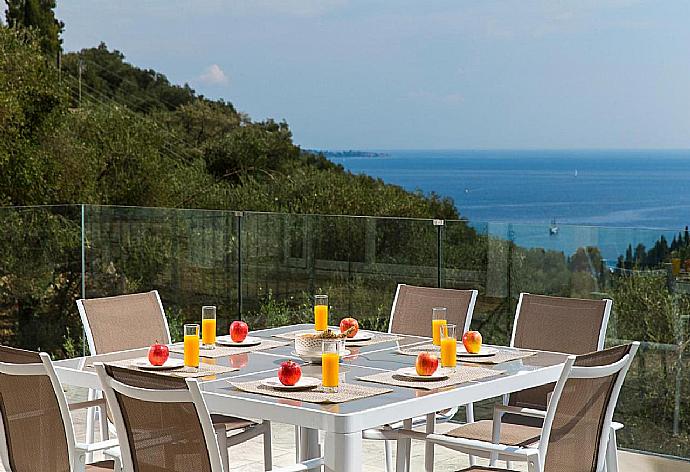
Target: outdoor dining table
342,423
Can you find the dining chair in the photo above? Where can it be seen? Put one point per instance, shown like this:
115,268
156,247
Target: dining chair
138,320
557,324
36,430
164,423
411,314
575,432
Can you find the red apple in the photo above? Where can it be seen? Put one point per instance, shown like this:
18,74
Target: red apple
238,331
289,373
472,341
349,326
158,354
426,364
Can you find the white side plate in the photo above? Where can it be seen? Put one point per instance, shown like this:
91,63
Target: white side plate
411,374
304,383
169,365
360,336
248,341
484,351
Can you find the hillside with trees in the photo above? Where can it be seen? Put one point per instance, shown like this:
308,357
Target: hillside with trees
123,135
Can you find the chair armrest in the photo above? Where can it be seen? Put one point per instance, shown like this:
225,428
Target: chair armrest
97,446
617,426
523,453
520,411
87,404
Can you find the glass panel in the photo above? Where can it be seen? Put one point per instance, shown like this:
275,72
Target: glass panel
40,278
357,261
189,256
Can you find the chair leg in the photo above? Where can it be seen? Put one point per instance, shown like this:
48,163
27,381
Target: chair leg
402,460
297,444
612,453
469,416
222,438
90,424
388,447
429,446
268,451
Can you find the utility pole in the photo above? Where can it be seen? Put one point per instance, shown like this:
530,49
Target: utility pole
81,65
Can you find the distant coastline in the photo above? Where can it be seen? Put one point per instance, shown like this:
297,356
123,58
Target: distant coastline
348,153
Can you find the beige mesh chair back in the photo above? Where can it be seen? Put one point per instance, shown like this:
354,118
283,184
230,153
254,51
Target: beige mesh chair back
568,325
36,433
162,422
412,306
577,423
123,322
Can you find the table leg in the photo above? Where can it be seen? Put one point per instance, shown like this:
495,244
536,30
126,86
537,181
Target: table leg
309,444
402,459
343,452
428,446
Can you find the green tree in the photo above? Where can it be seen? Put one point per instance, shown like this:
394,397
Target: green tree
38,15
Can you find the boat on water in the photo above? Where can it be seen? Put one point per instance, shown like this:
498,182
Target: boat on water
553,228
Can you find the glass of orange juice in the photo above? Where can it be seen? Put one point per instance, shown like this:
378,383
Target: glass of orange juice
191,345
321,312
330,363
449,347
208,327
439,317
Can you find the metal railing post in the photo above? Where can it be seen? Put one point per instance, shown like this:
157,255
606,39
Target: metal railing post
83,272
240,301
439,251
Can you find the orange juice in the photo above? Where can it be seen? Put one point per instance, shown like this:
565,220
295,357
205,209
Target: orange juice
208,331
330,365
320,317
191,350
436,330
449,352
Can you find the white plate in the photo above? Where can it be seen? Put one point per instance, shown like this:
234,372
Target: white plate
360,336
411,373
484,351
304,383
316,358
169,365
248,341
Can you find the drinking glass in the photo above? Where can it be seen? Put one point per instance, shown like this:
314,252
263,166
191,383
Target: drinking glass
449,347
330,363
439,317
321,312
191,345
208,327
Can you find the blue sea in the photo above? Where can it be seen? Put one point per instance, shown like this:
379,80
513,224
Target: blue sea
613,197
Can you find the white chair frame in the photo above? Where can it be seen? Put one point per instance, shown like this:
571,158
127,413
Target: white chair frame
99,415
388,433
501,409
535,456
77,452
226,439
192,395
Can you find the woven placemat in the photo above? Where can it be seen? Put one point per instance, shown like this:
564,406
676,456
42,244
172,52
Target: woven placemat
345,393
461,375
204,370
376,337
223,351
503,354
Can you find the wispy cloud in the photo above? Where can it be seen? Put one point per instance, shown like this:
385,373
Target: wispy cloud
214,75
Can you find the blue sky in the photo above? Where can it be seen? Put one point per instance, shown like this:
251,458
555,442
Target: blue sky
423,74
